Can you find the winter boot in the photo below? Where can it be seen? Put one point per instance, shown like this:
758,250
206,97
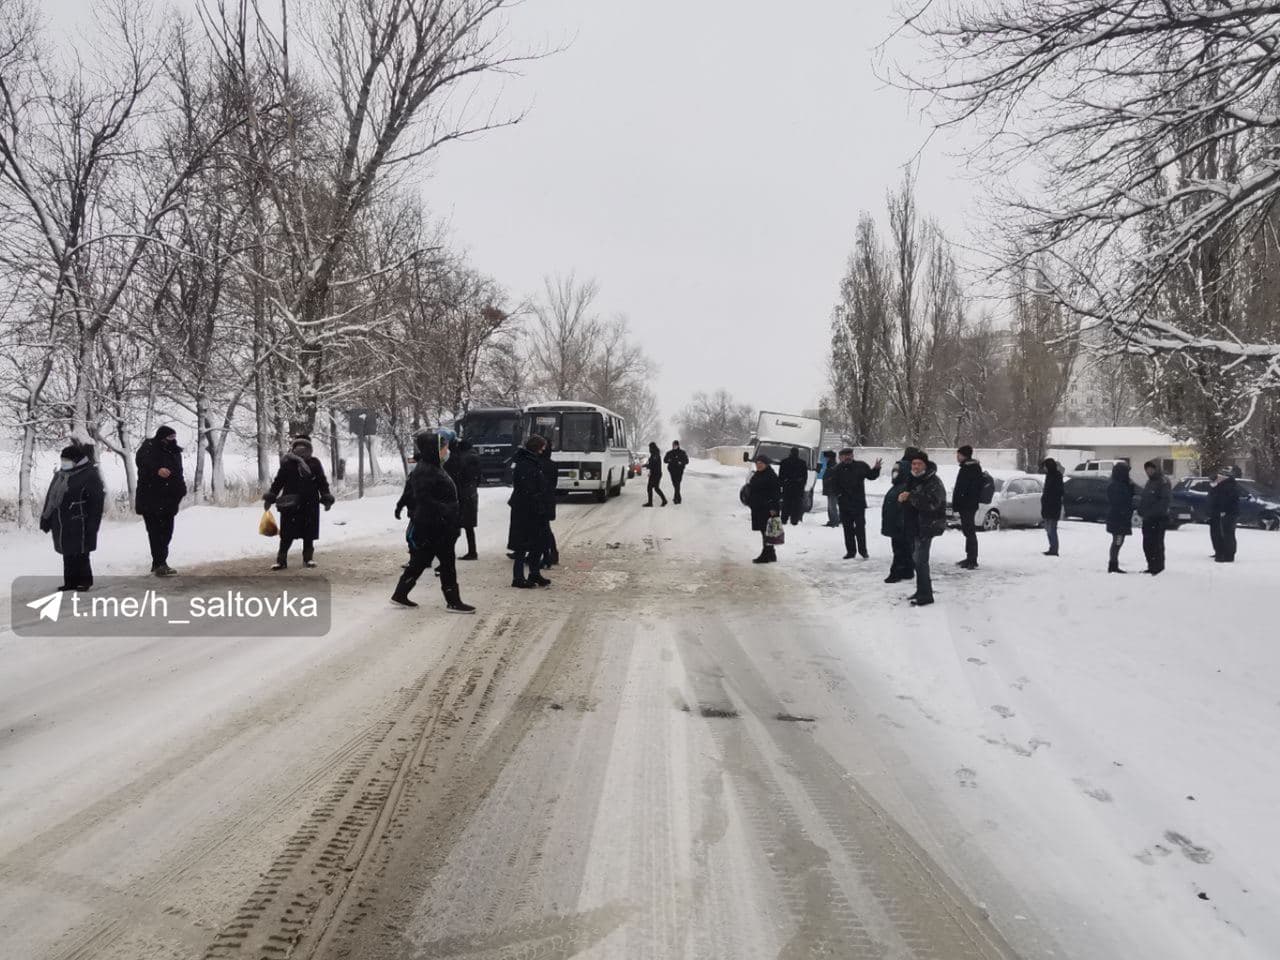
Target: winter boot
1051,553
922,601
163,570
771,554
282,561
764,556
538,580
403,586
520,583
453,602
471,546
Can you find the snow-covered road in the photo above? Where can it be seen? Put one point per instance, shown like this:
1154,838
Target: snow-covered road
670,753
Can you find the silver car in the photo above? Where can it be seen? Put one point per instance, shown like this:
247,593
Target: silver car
1015,504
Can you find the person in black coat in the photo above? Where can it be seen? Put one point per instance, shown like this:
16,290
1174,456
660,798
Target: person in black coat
965,498
463,467
161,487
893,523
655,475
72,514
764,499
851,491
924,502
676,460
1051,503
435,520
1153,507
1120,494
827,475
793,474
528,504
298,491
550,556
1224,509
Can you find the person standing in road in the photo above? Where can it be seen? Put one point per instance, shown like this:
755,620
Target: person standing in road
550,484
435,518
793,474
1120,494
528,514
655,475
161,488
851,478
299,490
676,460
827,477
1153,507
1224,510
468,484
965,497
764,498
893,523
925,517
72,514
1051,503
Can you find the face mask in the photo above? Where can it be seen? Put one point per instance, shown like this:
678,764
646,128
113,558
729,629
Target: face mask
67,464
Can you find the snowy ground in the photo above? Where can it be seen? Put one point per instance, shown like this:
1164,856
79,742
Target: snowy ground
672,753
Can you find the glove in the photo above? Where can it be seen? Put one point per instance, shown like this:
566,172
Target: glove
267,502
399,508
327,501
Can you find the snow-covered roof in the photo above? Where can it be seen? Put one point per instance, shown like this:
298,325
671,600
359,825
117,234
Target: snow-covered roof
1085,438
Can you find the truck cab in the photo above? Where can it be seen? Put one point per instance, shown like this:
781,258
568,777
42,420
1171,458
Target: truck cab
776,434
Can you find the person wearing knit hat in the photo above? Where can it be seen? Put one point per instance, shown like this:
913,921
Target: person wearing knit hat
299,490
161,487
72,514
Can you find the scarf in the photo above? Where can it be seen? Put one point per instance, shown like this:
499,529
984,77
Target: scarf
304,469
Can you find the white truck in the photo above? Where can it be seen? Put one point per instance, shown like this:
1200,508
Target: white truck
776,434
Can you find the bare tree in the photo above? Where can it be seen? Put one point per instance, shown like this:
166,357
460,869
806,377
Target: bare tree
859,328
563,335
714,420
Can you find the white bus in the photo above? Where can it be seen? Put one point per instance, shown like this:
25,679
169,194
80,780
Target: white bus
588,444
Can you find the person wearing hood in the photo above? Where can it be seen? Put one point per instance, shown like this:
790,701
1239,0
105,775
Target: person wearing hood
851,491
893,522
924,501
1224,509
435,520
793,475
1153,507
764,499
299,489
72,514
463,467
676,460
965,497
1120,495
655,475
161,487
550,556
528,503
827,477
1051,503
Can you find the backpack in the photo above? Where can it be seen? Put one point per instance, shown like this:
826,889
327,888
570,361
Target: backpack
987,492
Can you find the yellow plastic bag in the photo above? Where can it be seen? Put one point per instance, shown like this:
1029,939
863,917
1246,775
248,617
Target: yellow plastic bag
267,525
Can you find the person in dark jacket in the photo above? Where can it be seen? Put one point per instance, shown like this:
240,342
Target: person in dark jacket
676,460
827,477
851,492
793,474
924,503
435,520
1120,495
1153,507
72,514
965,497
655,475
550,556
528,504
1224,509
1051,503
161,487
463,467
764,498
298,491
894,526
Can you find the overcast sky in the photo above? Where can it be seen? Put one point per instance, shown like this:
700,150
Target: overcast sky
705,162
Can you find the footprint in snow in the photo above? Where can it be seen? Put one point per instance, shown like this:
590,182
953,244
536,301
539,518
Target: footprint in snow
889,721
1096,793
1003,711
1191,851
1149,855
986,642
976,662
967,778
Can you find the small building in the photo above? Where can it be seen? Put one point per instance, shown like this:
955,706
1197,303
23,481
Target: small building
1075,446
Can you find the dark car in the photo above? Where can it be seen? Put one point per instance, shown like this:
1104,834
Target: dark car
1084,497
1258,508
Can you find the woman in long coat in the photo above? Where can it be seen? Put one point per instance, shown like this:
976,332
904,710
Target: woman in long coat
1120,494
764,497
526,537
299,490
72,514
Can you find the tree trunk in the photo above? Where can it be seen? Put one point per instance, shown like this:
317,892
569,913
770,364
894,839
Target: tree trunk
26,506
197,483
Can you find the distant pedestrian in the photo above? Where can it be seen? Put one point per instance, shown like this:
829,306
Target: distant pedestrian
161,487
1120,495
925,516
676,461
72,514
764,498
1153,507
298,491
550,556
468,479
827,477
1224,510
965,497
528,515
893,523
655,475
850,482
435,520
793,475
1051,503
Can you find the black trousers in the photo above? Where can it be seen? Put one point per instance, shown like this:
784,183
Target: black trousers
1153,543
159,533
969,527
421,557
792,507
854,522
677,476
77,571
308,549
1222,534
1113,558
655,486
549,552
903,566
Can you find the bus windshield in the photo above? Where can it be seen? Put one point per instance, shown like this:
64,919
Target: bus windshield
572,431
490,429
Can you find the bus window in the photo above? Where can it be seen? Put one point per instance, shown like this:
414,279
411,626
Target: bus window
545,425
582,432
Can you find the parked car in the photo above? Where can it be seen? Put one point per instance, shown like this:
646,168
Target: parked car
1258,508
1016,504
1084,497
